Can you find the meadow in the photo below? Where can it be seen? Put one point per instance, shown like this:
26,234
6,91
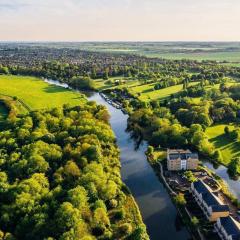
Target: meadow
37,94
101,84
217,51
200,56
228,148
148,93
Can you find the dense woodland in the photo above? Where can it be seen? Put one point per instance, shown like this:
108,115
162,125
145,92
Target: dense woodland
60,178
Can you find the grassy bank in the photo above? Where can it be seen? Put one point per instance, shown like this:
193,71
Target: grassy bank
229,148
36,93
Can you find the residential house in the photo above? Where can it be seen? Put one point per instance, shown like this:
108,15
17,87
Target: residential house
228,228
179,159
210,204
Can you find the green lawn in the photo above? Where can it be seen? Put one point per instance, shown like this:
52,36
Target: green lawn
101,84
148,93
228,148
36,93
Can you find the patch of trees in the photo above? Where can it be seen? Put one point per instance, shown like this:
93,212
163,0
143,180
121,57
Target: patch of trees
161,129
60,178
225,109
194,91
234,167
11,108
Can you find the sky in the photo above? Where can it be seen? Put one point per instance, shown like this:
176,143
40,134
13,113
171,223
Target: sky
119,20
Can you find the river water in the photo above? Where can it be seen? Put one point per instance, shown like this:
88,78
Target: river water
221,171
158,212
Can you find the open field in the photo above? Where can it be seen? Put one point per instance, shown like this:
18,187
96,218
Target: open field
228,148
101,84
148,93
231,64
219,51
37,94
217,56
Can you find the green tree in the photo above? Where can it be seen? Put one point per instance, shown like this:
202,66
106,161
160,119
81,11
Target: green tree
180,199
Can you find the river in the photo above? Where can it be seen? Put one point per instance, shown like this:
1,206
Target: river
221,171
158,212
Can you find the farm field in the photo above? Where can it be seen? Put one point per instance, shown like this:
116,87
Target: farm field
37,94
217,51
147,92
216,56
228,148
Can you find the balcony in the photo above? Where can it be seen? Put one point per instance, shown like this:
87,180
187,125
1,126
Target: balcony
219,231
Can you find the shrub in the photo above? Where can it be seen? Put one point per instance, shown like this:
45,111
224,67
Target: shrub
180,199
126,228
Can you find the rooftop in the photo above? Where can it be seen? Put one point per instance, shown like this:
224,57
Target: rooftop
200,187
209,198
182,154
231,226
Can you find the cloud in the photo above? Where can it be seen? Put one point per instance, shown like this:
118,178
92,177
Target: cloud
5,5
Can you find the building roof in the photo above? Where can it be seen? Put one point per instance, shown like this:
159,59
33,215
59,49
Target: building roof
220,208
182,154
200,187
178,151
209,198
231,226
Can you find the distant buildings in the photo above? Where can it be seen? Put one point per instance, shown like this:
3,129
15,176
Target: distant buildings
178,159
227,228
210,204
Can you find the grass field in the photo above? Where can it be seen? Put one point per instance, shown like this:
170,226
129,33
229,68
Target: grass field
231,64
101,84
228,148
148,93
218,51
36,93
217,56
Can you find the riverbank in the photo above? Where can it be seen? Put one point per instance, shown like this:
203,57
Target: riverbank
157,210
177,183
186,216
218,168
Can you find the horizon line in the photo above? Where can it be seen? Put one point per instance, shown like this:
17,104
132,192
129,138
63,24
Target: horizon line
119,41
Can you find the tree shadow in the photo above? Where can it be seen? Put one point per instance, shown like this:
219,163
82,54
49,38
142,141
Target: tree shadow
235,147
225,143
54,89
221,141
147,90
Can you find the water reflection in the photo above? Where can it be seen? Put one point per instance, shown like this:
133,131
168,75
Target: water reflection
159,213
65,85
221,171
